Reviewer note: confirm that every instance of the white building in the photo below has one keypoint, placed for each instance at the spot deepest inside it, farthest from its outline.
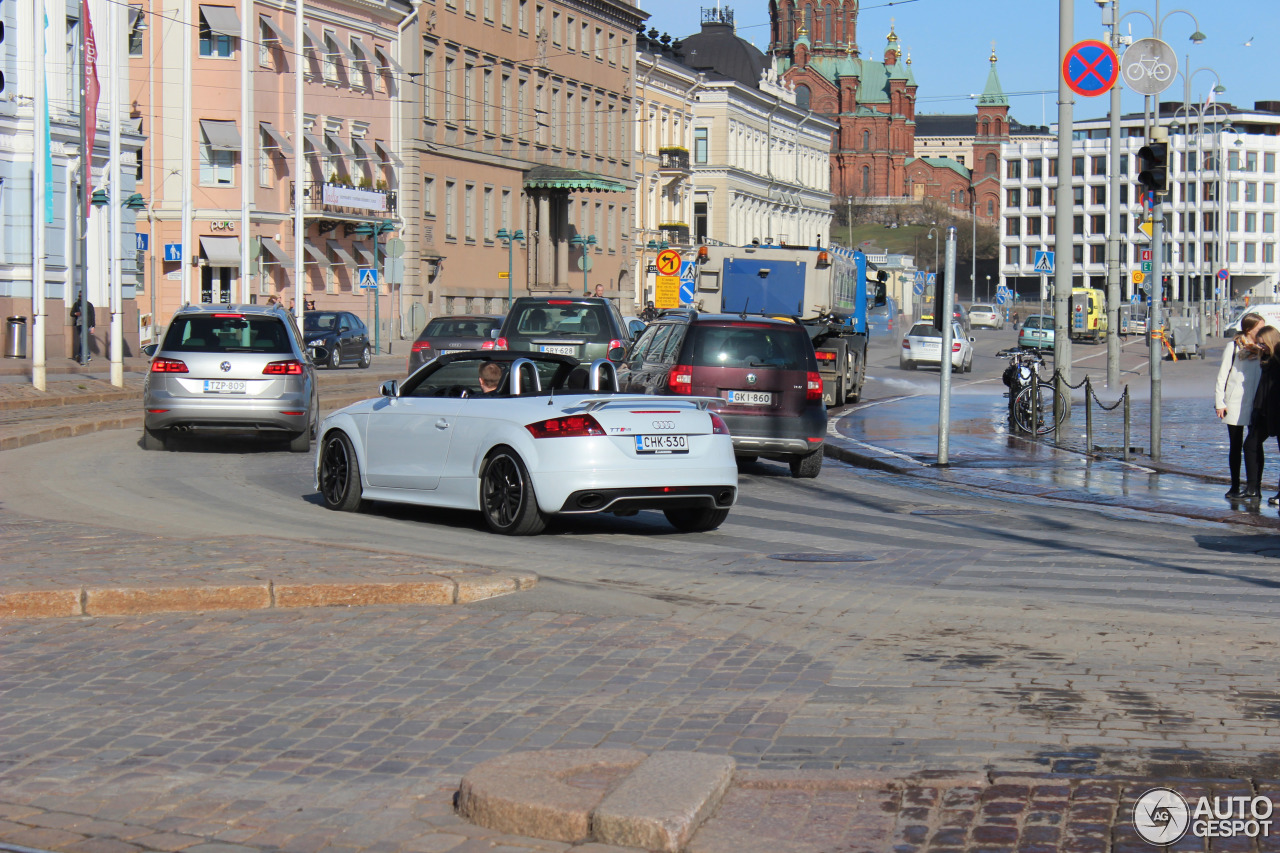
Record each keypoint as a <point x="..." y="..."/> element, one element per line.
<point x="1219" y="215"/>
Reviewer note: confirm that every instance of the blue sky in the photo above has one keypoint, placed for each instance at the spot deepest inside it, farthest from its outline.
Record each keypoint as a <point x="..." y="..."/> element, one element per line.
<point x="950" y="43"/>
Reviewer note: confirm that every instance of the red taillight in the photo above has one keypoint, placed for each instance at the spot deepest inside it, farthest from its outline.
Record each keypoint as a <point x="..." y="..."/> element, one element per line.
<point x="813" y="387"/>
<point x="238" y="316"/>
<point x="718" y="426"/>
<point x="906" y="344"/>
<point x="615" y="344"/>
<point x="955" y="347"/>
<point x="487" y="345"/>
<point x="168" y="365"/>
<point x="500" y="343"/>
<point x="292" y="367"/>
<point x="570" y="426"/>
<point x="680" y="380"/>
<point x="825" y="355"/>
<point x="419" y="346"/>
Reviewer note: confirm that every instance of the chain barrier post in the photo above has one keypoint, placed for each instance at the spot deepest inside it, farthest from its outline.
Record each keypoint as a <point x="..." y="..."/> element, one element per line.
<point x="1126" y="423"/>
<point x="1088" y="416"/>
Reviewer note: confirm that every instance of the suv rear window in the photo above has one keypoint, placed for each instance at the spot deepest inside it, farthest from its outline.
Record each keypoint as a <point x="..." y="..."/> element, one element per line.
<point x="227" y="333"/>
<point x="787" y="347"/>
<point x="588" y="320"/>
<point x="452" y="327"/>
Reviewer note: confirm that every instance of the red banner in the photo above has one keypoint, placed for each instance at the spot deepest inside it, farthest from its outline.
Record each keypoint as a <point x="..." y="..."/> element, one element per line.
<point x="91" y="91"/>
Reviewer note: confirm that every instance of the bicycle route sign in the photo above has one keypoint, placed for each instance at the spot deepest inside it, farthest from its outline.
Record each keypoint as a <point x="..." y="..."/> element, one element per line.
<point x="1090" y="68"/>
<point x="1149" y="66"/>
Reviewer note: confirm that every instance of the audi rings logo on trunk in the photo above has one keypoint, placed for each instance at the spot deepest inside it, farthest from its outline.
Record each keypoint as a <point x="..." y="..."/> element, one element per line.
<point x="225" y="367"/>
<point x="664" y="424"/>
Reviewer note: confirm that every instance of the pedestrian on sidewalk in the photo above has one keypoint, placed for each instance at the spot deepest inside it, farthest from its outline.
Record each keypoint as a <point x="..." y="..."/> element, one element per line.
<point x="1234" y="391"/>
<point x="1265" y="421"/>
<point x="77" y="323"/>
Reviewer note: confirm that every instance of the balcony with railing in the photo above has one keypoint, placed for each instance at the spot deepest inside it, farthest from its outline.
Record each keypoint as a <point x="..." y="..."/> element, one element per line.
<point x="674" y="160"/>
<point x="328" y="200"/>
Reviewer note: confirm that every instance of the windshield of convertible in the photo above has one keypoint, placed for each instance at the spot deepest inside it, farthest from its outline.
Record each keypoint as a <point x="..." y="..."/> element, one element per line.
<point x="543" y="375"/>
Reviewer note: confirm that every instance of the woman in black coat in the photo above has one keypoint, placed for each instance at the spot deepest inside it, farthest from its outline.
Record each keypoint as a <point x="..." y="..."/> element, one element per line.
<point x="1266" y="415"/>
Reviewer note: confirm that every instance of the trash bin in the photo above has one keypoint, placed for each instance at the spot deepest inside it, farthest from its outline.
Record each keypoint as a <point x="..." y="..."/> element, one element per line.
<point x="15" y="337"/>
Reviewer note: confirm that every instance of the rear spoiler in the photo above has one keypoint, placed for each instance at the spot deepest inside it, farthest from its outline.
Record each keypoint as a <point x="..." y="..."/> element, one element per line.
<point x="703" y="403"/>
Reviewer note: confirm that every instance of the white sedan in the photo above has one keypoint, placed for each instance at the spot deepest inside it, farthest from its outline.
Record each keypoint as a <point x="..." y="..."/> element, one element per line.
<point x="985" y="315"/>
<point x="923" y="345"/>
<point x="555" y="438"/>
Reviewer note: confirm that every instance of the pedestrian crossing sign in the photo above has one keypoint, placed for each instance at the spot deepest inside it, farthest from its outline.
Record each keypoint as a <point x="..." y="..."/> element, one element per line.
<point x="368" y="278"/>
<point x="1044" y="262"/>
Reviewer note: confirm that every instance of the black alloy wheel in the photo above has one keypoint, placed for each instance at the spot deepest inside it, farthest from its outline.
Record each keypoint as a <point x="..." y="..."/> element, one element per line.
<point x="340" y="474"/>
<point x="506" y="496"/>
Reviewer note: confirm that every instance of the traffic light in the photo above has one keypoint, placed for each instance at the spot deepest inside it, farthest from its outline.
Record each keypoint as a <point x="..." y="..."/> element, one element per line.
<point x="1153" y="167"/>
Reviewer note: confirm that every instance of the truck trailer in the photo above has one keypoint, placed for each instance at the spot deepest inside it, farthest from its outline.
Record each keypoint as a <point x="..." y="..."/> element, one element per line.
<point x="824" y="289"/>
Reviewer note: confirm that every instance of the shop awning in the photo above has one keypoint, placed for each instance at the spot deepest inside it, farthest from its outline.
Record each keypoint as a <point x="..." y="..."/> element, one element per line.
<point x="387" y="153"/>
<point x="221" y="251"/>
<point x="384" y="56"/>
<point x="272" y="252"/>
<point x="222" y="135"/>
<point x="317" y="255"/>
<point x="343" y="50"/>
<point x="315" y="142"/>
<point x="338" y="143"/>
<point x="221" y="20"/>
<point x="135" y="15"/>
<point x="277" y="32"/>
<point x="309" y="34"/>
<point x="365" y="256"/>
<point x="277" y="138"/>
<point x="343" y="254"/>
<point x="366" y="150"/>
<point x="358" y="48"/>
<point x="558" y="178"/>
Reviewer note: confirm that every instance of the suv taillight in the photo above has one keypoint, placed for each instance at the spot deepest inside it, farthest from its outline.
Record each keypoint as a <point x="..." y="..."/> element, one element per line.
<point x="680" y="380"/>
<point x="168" y="365"/>
<point x="955" y="347"/>
<point x="906" y="344"/>
<point x="292" y="367"/>
<point x="419" y="346"/>
<point x="570" y="426"/>
<point x="487" y="345"/>
<point x="500" y="343"/>
<point x="718" y="426"/>
<point x="813" y="387"/>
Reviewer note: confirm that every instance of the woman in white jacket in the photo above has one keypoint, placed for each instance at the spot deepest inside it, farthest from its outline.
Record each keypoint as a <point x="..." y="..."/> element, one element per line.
<point x="1233" y="392"/>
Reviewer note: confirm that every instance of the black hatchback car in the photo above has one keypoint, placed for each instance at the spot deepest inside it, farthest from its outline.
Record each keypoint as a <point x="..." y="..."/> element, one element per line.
<point x="336" y="338"/>
<point x="764" y="369"/>
<point x="585" y="327"/>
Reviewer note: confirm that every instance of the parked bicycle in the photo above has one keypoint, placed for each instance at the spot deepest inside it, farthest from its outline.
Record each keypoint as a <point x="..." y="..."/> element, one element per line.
<point x="1033" y="401"/>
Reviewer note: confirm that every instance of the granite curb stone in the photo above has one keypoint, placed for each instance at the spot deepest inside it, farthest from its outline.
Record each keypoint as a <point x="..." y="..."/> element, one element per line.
<point x="663" y="801"/>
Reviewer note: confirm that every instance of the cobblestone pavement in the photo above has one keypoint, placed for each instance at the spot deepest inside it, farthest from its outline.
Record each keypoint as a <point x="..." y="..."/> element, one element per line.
<point x="986" y="636"/>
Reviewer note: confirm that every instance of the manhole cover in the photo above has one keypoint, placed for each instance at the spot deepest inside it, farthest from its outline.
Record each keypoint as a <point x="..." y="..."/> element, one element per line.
<point x="950" y="512"/>
<point x="822" y="557"/>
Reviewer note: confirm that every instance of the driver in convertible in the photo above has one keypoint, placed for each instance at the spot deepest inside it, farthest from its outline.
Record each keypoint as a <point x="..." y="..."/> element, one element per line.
<point x="490" y="378"/>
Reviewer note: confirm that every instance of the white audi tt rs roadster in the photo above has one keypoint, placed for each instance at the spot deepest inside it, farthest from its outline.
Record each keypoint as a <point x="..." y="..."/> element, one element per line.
<point x="554" y="437"/>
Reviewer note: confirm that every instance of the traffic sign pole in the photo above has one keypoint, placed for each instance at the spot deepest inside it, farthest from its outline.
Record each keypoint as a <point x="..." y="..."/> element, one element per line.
<point x="1156" y="289"/>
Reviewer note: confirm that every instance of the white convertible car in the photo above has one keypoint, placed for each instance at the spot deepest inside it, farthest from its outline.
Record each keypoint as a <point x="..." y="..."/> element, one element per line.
<point x="555" y="438"/>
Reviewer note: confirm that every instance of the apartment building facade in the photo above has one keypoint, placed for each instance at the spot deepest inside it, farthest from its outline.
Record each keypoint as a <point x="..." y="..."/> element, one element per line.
<point x="1220" y="215"/>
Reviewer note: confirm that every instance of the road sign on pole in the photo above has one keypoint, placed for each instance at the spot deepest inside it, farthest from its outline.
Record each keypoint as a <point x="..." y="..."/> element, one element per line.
<point x="1044" y="262"/>
<point x="367" y="278"/>
<point x="1090" y="68"/>
<point x="173" y="251"/>
<point x="668" y="263"/>
<point x="1149" y="66"/>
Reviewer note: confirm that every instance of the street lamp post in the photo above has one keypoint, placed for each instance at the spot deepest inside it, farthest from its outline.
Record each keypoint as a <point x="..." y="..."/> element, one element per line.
<point x="933" y="235"/>
<point x="509" y="239"/>
<point x="586" y="243"/>
<point x="374" y="230"/>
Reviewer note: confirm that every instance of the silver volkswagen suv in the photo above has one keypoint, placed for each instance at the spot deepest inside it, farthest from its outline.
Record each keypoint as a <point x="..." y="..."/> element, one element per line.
<point x="233" y="369"/>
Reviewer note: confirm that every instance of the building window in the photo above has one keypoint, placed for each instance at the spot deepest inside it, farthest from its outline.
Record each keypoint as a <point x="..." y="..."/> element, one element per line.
<point x="1033" y="226"/>
<point x="214" y="43"/>
<point x="1077" y="225"/>
<point x="1011" y="255"/>
<point x="1012" y="226"/>
<point x="1250" y="253"/>
<point x="1034" y="194"/>
<point x="992" y="164"/>
<point x="1250" y="192"/>
<point x="1097" y="165"/>
<point x="469" y="213"/>
<point x="1035" y="167"/>
<point x="1097" y="223"/>
<point x="1098" y="195"/>
<point x="1268" y="253"/>
<point x="1269" y="223"/>
<point x="866" y="140"/>
<point x="700" y="146"/>
<point x="1268" y="193"/>
<point x="866" y="180"/>
<point x="991" y="208"/>
<point x="1077" y="167"/>
<point x="1251" y="223"/>
<point x="429" y="196"/>
<point x="1015" y="197"/>
<point x="1014" y="169"/>
<point x="450" y="214"/>
<point x="136" y="23"/>
<point x="1077" y="196"/>
<point x="1098" y="254"/>
<point x="1077" y="254"/>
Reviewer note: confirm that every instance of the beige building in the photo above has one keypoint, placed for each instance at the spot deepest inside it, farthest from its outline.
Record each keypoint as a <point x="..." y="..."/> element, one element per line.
<point x="215" y="91"/>
<point x="517" y="118"/>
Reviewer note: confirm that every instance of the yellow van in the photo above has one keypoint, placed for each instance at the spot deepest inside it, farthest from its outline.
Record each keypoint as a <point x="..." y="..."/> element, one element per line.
<point x="1088" y="315"/>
